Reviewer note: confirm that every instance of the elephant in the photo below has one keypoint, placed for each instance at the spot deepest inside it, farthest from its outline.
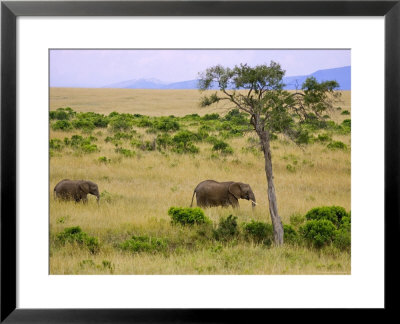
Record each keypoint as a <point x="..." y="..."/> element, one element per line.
<point x="76" y="190"/>
<point x="210" y="193"/>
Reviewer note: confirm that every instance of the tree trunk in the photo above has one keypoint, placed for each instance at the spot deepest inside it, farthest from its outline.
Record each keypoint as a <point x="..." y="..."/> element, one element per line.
<point x="273" y="206"/>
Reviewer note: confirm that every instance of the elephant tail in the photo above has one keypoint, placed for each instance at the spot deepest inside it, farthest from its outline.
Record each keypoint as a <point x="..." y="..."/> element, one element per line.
<point x="191" y="204"/>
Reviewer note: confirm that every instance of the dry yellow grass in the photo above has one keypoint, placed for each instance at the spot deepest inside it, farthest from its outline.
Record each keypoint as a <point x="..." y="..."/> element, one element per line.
<point x="138" y="101"/>
<point x="143" y="187"/>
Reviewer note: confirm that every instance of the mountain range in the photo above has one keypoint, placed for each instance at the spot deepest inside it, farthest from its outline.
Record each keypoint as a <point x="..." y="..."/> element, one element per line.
<point x="342" y="75"/>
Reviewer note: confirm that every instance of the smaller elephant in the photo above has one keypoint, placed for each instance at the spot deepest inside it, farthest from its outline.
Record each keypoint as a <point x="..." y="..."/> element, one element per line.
<point x="76" y="190"/>
<point x="211" y="193"/>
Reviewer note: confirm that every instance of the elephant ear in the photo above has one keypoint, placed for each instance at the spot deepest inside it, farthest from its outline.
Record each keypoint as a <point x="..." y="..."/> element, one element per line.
<point x="84" y="186"/>
<point x="235" y="189"/>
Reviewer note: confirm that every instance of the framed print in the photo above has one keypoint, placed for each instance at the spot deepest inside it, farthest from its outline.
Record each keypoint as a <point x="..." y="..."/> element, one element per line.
<point x="121" y="181"/>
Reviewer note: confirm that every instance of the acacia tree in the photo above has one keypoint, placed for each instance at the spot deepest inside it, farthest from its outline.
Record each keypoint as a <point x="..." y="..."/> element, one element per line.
<point x="258" y="91"/>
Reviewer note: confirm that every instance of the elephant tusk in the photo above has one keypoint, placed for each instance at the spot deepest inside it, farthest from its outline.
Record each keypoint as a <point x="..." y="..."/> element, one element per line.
<point x="253" y="202"/>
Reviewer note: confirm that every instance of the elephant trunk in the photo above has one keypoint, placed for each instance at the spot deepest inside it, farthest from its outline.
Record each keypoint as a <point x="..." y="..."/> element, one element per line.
<point x="253" y="200"/>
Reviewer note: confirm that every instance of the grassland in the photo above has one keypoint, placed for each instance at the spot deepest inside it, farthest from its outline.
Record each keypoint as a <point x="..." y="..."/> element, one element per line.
<point x="137" y="192"/>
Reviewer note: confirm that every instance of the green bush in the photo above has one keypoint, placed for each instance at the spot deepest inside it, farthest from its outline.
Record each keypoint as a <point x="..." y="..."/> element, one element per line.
<point x="185" y="148"/>
<point x="290" y="235"/>
<point x="214" y="116"/>
<point x="227" y="229"/>
<point x="236" y="117"/>
<point x="163" y="141"/>
<point x="259" y="232"/>
<point x="89" y="148"/>
<point x="191" y="117"/>
<point x="324" y="138"/>
<point x="82" y="144"/>
<point x="222" y="147"/>
<point x="331" y="213"/>
<point x="125" y="152"/>
<point x="342" y="239"/>
<point x="144" y="244"/>
<point x="56" y="144"/>
<point x="120" y="122"/>
<point x="184" y="136"/>
<point x="76" y="235"/>
<point x="318" y="232"/>
<point x="64" y="125"/>
<point x="166" y="124"/>
<point x="337" y="145"/>
<point x="345" y="112"/>
<point x="85" y="124"/>
<point x="104" y="159"/>
<point x="188" y="216"/>
<point x="62" y="114"/>
<point x="97" y="120"/>
<point x="346" y="123"/>
<point x="343" y="235"/>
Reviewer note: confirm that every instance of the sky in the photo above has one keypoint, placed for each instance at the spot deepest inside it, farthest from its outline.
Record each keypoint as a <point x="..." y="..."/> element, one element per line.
<point x="98" y="68"/>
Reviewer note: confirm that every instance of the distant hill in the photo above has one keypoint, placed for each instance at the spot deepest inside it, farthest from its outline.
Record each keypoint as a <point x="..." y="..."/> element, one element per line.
<point x="342" y="75"/>
<point x="138" y="84"/>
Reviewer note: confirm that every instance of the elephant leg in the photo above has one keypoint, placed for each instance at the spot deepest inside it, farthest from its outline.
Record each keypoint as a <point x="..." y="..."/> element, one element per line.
<point x="233" y="201"/>
<point x="84" y="199"/>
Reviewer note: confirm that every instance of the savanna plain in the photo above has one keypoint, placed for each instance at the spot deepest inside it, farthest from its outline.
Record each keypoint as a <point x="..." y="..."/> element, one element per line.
<point x="147" y="162"/>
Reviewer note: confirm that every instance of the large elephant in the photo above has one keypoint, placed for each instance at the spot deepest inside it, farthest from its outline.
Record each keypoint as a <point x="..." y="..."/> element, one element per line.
<point x="211" y="193"/>
<point x="76" y="190"/>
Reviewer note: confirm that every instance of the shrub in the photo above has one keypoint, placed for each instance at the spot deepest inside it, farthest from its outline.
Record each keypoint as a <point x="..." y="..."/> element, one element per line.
<point x="290" y="235"/>
<point x="56" y="144"/>
<point x="104" y="159"/>
<point x="105" y="196"/>
<point x="337" y="145"/>
<point x="125" y="152"/>
<point x="345" y="112"/>
<point x="144" y="244"/>
<point x="98" y="120"/>
<point x="222" y="147"/>
<point x="76" y="235"/>
<point x="62" y="114"/>
<point x="324" y="138"/>
<point x="331" y="213"/>
<point x="236" y="117"/>
<point x="319" y="232"/>
<point x="166" y="124"/>
<point x="187" y="216"/>
<point x="64" y="125"/>
<point x="84" y="123"/>
<point x="120" y="122"/>
<point x="227" y="229"/>
<point x="342" y="239"/>
<point x="343" y="235"/>
<point x="184" y="137"/>
<point x="346" y="123"/>
<point x="163" y="140"/>
<point x="191" y="117"/>
<point x="185" y="148"/>
<point x="214" y="116"/>
<point x="259" y="232"/>
<point x="89" y="148"/>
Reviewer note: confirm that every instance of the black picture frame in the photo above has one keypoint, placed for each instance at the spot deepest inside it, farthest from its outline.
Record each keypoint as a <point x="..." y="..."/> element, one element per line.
<point x="10" y="10"/>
